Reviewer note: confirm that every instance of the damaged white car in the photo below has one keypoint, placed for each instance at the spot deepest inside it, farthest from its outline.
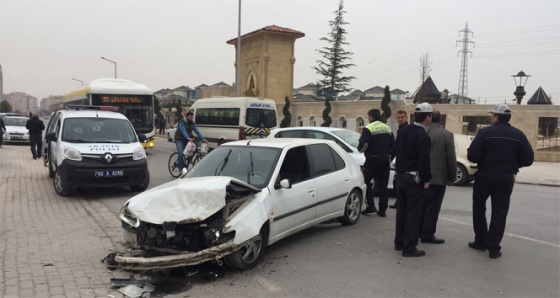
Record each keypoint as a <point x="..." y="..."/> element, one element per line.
<point x="242" y="197"/>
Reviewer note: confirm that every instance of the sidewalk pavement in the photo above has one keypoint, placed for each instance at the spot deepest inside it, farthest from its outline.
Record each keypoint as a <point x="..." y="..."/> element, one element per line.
<point x="52" y="246"/>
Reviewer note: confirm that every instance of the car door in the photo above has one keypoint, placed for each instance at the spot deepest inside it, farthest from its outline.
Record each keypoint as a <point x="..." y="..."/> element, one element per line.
<point x="332" y="180"/>
<point x="293" y="207"/>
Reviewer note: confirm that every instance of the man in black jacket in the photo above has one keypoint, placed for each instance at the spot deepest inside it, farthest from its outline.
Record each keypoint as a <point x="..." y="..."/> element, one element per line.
<point x="35" y="127"/>
<point x="499" y="150"/>
<point x="402" y="121"/>
<point x="413" y="180"/>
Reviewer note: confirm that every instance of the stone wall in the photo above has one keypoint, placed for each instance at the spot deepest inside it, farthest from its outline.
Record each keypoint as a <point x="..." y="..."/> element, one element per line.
<point x="524" y="117"/>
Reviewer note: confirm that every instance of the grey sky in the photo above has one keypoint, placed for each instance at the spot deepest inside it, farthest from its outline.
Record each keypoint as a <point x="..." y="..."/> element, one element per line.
<point x="169" y="43"/>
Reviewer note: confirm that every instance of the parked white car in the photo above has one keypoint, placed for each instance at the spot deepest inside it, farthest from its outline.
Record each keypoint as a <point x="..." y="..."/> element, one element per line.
<point x="171" y="132"/>
<point x="465" y="168"/>
<point x="244" y="196"/>
<point x="347" y="139"/>
<point x="15" y="129"/>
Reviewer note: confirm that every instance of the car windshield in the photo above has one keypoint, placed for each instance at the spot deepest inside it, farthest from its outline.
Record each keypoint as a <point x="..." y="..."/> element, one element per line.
<point x="15" y="121"/>
<point x="250" y="164"/>
<point x="98" y="130"/>
<point x="349" y="136"/>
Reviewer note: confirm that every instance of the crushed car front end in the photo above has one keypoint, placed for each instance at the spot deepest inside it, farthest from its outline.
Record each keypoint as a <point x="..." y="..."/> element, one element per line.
<point x="186" y="222"/>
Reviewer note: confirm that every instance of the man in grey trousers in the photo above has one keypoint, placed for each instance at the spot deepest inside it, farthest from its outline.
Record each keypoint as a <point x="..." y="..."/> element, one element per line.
<point x="443" y="164"/>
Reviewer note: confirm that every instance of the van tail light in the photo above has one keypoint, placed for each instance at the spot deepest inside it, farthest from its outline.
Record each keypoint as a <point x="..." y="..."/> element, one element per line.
<point x="241" y="133"/>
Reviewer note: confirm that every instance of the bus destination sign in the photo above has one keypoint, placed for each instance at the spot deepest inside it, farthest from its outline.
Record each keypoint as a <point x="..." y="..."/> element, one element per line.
<point x="120" y="99"/>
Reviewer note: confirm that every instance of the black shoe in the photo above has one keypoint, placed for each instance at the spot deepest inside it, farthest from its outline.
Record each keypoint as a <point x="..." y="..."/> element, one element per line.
<point x="413" y="253"/>
<point x="381" y="213"/>
<point x="369" y="210"/>
<point x="399" y="247"/>
<point x="432" y="240"/>
<point x="477" y="246"/>
<point x="39" y="156"/>
<point x="34" y="157"/>
<point x="394" y="206"/>
<point x="494" y="254"/>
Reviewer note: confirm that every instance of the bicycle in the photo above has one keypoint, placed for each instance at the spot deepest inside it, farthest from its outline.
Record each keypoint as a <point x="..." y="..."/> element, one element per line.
<point x="189" y="161"/>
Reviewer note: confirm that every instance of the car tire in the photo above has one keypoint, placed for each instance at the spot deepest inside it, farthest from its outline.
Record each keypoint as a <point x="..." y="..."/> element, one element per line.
<point x="46" y="157"/>
<point x="59" y="186"/>
<point x="352" y="209"/>
<point x="51" y="169"/>
<point x="169" y="139"/>
<point x="462" y="175"/>
<point x="250" y="253"/>
<point x="143" y="186"/>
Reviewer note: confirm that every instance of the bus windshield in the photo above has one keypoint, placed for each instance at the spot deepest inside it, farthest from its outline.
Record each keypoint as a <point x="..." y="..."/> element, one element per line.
<point x="137" y="108"/>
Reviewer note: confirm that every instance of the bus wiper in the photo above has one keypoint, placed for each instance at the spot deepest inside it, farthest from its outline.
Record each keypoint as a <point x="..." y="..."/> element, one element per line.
<point x="250" y="170"/>
<point x="223" y="163"/>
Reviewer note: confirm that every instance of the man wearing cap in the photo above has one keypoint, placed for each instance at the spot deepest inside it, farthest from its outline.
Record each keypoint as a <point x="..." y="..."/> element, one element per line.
<point x="499" y="150"/>
<point x="413" y="180"/>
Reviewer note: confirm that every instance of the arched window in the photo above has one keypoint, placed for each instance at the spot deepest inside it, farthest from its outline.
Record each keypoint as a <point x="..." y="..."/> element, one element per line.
<point x="359" y="124"/>
<point x="342" y="121"/>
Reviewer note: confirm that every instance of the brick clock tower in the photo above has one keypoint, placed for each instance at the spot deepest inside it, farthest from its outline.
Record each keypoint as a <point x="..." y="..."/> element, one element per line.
<point x="267" y="62"/>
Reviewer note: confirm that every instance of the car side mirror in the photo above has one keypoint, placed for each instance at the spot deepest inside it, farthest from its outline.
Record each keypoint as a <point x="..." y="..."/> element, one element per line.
<point x="51" y="137"/>
<point x="141" y="137"/>
<point x="285" y="183"/>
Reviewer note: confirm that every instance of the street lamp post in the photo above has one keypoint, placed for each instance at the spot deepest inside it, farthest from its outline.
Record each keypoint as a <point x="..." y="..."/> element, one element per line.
<point x="238" y="56"/>
<point x="113" y="63"/>
<point x="520" y="79"/>
<point x="78" y="81"/>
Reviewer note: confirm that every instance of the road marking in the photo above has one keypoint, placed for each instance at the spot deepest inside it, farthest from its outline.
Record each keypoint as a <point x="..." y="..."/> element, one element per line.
<point x="506" y="233"/>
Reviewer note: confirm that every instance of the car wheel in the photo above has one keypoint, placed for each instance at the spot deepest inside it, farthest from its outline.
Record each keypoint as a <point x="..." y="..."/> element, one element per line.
<point x="169" y="139"/>
<point x="221" y="142"/>
<point x="250" y="253"/>
<point x="51" y="169"/>
<point x="462" y="175"/>
<point x="59" y="186"/>
<point x="46" y="157"/>
<point x="352" y="209"/>
<point x="143" y="186"/>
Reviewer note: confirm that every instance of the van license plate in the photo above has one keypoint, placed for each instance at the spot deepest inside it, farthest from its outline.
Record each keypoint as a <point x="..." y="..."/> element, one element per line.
<point x="109" y="173"/>
<point x="16" y="138"/>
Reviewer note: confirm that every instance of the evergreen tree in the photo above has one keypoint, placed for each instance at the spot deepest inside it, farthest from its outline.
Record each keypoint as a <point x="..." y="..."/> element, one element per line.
<point x="287" y="115"/>
<point x="335" y="61"/>
<point x="5" y="107"/>
<point x="385" y="104"/>
<point x="179" y="111"/>
<point x="326" y="118"/>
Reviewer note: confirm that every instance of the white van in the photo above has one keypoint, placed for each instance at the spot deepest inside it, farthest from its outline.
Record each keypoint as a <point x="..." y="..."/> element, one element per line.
<point x="90" y="147"/>
<point x="226" y="119"/>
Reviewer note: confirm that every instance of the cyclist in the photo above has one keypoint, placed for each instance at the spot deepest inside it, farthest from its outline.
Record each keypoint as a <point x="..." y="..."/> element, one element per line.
<point x="183" y="135"/>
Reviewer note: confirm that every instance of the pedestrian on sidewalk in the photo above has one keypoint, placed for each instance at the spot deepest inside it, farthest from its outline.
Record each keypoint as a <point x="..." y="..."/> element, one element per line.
<point x="443" y="164"/>
<point x="2" y="130"/>
<point x="35" y="127"/>
<point x="499" y="151"/>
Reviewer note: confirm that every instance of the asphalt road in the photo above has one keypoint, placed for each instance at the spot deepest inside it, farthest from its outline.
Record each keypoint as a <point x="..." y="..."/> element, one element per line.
<point x="358" y="261"/>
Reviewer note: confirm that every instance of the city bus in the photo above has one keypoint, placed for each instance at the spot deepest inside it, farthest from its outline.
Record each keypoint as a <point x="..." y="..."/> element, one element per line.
<point x="135" y="101"/>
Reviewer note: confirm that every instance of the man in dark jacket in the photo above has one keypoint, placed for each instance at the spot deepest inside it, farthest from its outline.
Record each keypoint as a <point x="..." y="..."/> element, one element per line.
<point x="35" y="127"/>
<point x="499" y="150"/>
<point x="2" y="130"/>
<point x="444" y="169"/>
<point x="402" y="121"/>
<point x="413" y="180"/>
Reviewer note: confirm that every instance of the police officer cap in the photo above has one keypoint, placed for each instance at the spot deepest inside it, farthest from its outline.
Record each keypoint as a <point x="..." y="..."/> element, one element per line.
<point x="424" y="108"/>
<point x="501" y="109"/>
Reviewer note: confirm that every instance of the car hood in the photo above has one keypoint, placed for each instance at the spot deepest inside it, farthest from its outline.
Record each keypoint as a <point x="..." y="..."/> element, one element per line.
<point x="20" y="129"/>
<point x="184" y="200"/>
<point x="100" y="148"/>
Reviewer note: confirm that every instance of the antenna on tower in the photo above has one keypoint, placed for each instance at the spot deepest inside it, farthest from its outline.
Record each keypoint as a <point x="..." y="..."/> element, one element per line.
<point x="463" y="79"/>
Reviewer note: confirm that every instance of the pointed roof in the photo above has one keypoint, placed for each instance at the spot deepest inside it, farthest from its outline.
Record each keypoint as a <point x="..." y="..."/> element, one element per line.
<point x="310" y="86"/>
<point x="397" y="91"/>
<point x="539" y="98"/>
<point x="375" y="89"/>
<point x="428" y="92"/>
<point x="271" y="29"/>
<point x="221" y="84"/>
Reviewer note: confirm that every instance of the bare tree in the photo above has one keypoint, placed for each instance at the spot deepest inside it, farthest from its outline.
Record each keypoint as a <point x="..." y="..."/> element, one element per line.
<point x="425" y="67"/>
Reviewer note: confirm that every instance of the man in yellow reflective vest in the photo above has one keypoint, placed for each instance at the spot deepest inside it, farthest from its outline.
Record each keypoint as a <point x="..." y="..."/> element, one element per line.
<point x="377" y="143"/>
